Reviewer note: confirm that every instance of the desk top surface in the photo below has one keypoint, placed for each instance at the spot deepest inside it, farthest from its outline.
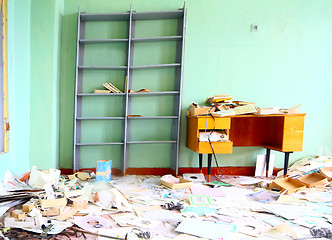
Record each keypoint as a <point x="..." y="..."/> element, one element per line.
<point x="252" y="115"/>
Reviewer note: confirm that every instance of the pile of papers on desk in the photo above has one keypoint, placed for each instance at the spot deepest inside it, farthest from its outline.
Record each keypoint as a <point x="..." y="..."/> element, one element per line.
<point x="223" y="105"/>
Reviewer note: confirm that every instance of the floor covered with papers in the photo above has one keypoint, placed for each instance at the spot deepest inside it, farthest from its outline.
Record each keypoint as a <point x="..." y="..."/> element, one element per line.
<point x="53" y="206"/>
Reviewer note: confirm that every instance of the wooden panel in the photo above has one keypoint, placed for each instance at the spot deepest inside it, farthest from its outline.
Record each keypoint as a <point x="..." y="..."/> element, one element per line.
<point x="246" y="131"/>
<point x="272" y="132"/>
<point x="219" y="147"/>
<point x="192" y="133"/>
<point x="214" y="123"/>
<point x="293" y="133"/>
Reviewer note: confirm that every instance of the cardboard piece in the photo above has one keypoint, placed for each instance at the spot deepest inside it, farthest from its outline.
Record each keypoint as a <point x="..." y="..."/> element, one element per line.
<point x="103" y="172"/>
<point x="67" y="213"/>
<point x="48" y="203"/>
<point x="53" y="211"/>
<point x="18" y="214"/>
<point x="80" y="203"/>
<point x="182" y="184"/>
<point x="196" y="111"/>
<point x="313" y="179"/>
<point x="327" y="172"/>
<point x="83" y="176"/>
<point x="28" y="206"/>
<point x="288" y="184"/>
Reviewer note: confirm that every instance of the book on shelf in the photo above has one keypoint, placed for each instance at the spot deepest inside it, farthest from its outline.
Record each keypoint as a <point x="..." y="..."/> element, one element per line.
<point x="111" y="87"/>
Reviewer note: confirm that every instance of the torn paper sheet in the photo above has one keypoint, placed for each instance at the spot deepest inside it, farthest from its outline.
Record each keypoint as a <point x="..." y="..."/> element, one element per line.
<point x="92" y="223"/>
<point x="206" y="229"/>
<point x="39" y="178"/>
<point x="13" y="184"/>
<point x="162" y="215"/>
<point x="194" y="177"/>
<point x="30" y="225"/>
<point x="203" y="190"/>
<point x="119" y="232"/>
<point x="107" y="199"/>
<point x="170" y="179"/>
<point x="5" y="206"/>
<point x="188" y="237"/>
<point x="260" y="170"/>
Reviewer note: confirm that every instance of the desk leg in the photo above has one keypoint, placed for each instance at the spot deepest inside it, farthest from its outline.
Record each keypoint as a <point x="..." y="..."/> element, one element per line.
<point x="209" y="166"/>
<point x="286" y="163"/>
<point x="267" y="161"/>
<point x="200" y="158"/>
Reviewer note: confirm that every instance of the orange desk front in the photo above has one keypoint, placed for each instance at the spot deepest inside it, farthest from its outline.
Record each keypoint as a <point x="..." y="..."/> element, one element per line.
<point x="280" y="132"/>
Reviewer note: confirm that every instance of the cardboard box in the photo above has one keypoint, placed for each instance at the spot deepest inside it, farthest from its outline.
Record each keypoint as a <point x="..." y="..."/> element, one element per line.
<point x="196" y="111"/>
<point x="326" y="172"/>
<point x="288" y="184"/>
<point x="104" y="170"/>
<point x="182" y="184"/>
<point x="313" y="179"/>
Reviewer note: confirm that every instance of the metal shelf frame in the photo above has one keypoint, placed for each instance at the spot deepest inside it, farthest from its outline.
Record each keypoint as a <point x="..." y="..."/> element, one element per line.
<point x="130" y="17"/>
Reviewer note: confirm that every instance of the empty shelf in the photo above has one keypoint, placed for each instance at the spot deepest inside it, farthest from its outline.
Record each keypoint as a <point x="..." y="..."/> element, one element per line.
<point x="104" y="16"/>
<point x="157" y="39"/>
<point x="102" y="40"/>
<point x="153" y="117"/>
<point x="158" y="15"/>
<point x="156" y="66"/>
<point x="153" y="93"/>
<point x="102" y="67"/>
<point x="96" y="144"/>
<point x="100" y="118"/>
<point x="148" y="142"/>
<point x="100" y="94"/>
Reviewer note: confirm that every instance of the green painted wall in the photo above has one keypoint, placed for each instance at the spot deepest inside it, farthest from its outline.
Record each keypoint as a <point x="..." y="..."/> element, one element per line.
<point x="285" y="63"/>
<point x="46" y="18"/>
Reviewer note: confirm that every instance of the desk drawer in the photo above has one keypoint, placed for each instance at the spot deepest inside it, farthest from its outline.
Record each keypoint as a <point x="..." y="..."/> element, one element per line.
<point x="214" y="123"/>
<point x="219" y="147"/>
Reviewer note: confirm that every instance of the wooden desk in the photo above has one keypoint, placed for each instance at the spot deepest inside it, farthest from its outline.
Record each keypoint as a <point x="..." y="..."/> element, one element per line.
<point x="281" y="132"/>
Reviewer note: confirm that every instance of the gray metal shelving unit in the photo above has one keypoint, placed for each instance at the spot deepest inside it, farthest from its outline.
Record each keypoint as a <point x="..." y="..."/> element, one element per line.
<point x="131" y="18"/>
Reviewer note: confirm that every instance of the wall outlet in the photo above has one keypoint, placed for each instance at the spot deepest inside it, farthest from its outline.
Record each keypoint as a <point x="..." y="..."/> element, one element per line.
<point x="254" y="27"/>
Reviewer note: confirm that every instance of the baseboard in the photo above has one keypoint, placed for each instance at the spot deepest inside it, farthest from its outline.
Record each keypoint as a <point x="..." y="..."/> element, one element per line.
<point x="241" y="171"/>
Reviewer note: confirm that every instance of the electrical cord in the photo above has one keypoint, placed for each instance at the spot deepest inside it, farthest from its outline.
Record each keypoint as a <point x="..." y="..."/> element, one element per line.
<point x="208" y="137"/>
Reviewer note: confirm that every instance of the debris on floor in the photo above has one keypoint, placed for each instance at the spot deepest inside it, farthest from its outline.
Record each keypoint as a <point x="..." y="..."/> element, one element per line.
<point x="54" y="206"/>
